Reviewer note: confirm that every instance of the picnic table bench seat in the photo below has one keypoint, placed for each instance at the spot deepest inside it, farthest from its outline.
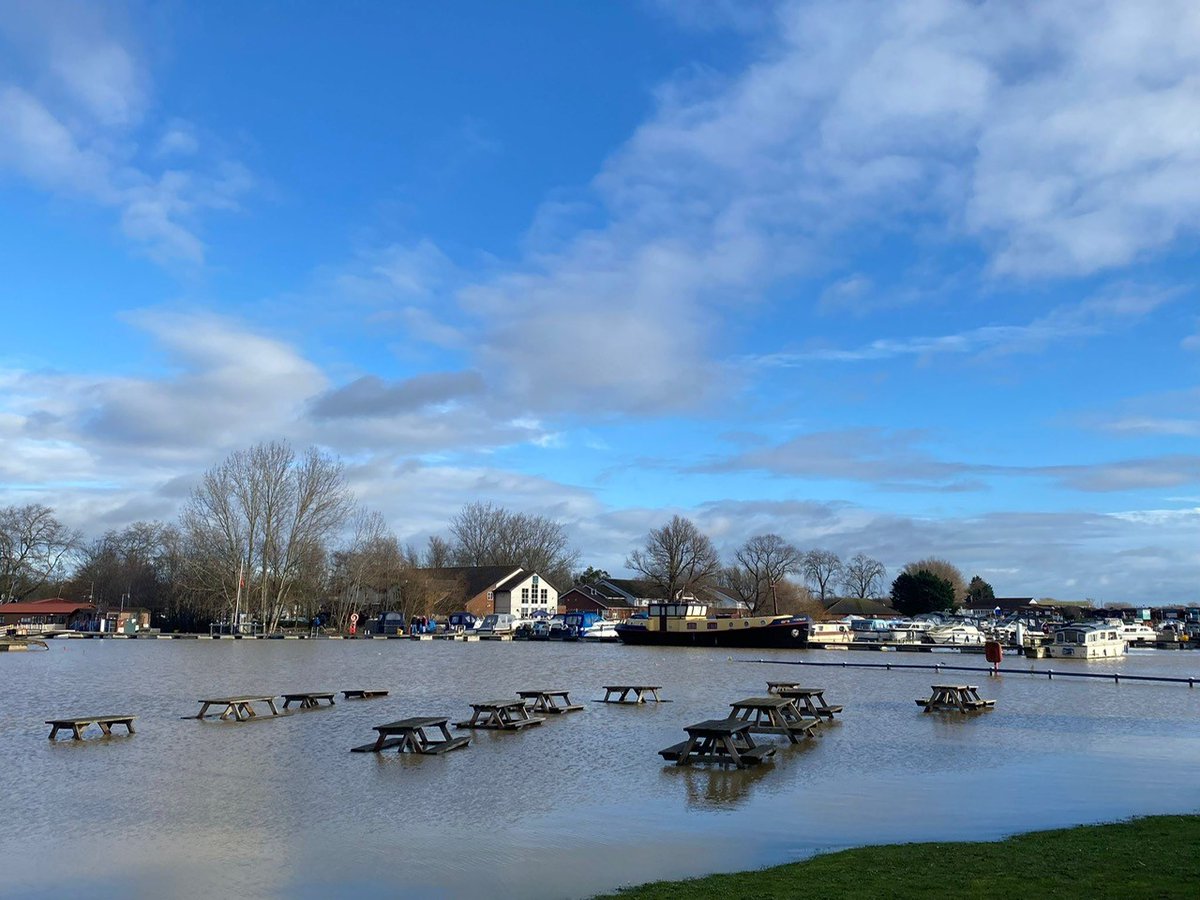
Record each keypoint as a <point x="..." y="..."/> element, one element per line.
<point x="77" y="724"/>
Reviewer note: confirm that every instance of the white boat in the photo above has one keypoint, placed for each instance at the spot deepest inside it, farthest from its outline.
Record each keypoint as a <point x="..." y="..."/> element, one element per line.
<point x="601" y="632"/>
<point x="830" y="633"/>
<point x="498" y="623"/>
<point x="910" y="632"/>
<point x="1135" y="632"/>
<point x="1087" y="641"/>
<point x="954" y="634"/>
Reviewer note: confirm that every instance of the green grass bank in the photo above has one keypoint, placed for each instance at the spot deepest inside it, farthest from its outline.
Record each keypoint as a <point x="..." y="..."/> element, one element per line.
<point x="1157" y="856"/>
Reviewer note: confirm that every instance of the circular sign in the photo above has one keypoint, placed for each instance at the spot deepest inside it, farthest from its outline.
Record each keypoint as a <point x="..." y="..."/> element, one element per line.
<point x="353" y="618"/>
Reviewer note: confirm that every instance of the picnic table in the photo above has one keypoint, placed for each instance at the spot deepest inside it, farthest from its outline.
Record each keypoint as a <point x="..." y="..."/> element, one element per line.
<point x="505" y="715"/>
<point x="960" y="697"/>
<point x="241" y="708"/>
<point x="723" y="741"/>
<point x="409" y="735"/>
<point x="77" y="724"/>
<point x="363" y="694"/>
<point x="550" y="702"/>
<point x="639" y="691"/>
<point x="773" y="715"/>
<point x="307" y="699"/>
<point x="774" y="687"/>
<point x="810" y="701"/>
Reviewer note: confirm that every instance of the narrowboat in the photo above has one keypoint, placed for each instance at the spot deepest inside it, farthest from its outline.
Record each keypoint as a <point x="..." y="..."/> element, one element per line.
<point x="689" y="624"/>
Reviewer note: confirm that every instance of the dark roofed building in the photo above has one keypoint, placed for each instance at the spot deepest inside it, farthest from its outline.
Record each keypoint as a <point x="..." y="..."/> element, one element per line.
<point x="55" y="614"/>
<point x="596" y="598"/>
<point x="854" y="606"/>
<point x="469" y="588"/>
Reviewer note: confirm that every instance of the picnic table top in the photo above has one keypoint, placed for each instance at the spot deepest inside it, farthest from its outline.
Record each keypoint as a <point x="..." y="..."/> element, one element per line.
<point x="413" y="723"/>
<point x="955" y="687"/>
<point x="762" y="703"/>
<point x="554" y="693"/>
<point x="798" y="691"/>
<point x="245" y="699"/>
<point x="633" y="687"/>
<point x="293" y="694"/>
<point x="718" y="727"/>
<point x="498" y="704"/>
<point x="78" y="720"/>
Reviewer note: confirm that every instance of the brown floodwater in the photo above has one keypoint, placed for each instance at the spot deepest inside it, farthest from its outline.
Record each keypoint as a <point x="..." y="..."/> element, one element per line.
<point x="581" y="804"/>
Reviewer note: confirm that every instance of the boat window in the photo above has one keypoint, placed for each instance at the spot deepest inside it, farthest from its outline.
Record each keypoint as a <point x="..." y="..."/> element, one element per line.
<point x="712" y="625"/>
<point x="691" y="626"/>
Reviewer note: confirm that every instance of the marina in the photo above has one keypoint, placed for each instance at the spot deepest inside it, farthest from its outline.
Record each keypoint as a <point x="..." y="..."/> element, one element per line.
<point x="295" y="789"/>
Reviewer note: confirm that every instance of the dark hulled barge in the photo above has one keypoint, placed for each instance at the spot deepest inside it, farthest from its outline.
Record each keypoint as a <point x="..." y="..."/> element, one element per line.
<point x="689" y="624"/>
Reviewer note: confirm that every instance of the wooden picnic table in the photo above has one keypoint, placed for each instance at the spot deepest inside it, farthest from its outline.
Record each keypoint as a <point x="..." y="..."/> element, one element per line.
<point x="363" y="694"/>
<point x="409" y="735"/>
<point x="773" y="687"/>
<point x="773" y="715"/>
<point x="550" y="702"/>
<point x="505" y="715"/>
<point x="639" y="691"/>
<point x="723" y="741"/>
<point x="810" y="701"/>
<point x="961" y="697"/>
<point x="240" y="708"/>
<point x="307" y="699"/>
<point x="77" y="724"/>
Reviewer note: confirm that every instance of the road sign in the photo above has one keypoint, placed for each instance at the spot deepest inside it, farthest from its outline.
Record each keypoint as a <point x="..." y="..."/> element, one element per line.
<point x="353" y="618"/>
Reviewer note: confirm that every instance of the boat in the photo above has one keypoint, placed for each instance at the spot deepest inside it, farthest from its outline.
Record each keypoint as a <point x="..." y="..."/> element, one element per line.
<point x="498" y="623"/>
<point x="604" y="632"/>
<point x="954" y="634"/>
<point x="577" y="622"/>
<point x="830" y="633"/>
<point x="1136" y="632"/>
<point x="904" y="632"/>
<point x="689" y="624"/>
<point x="1089" y="640"/>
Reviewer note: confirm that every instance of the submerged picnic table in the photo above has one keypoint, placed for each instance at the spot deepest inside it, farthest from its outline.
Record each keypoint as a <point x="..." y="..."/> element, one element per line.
<point x="639" y="692"/>
<point x="773" y="687"/>
<point x="549" y="702"/>
<point x="810" y="701"/>
<point x="506" y="715"/>
<point x="240" y="708"/>
<point x="363" y="694"/>
<point x="78" y="723"/>
<point x="409" y="735"/>
<point x="773" y="715"/>
<point x="307" y="699"/>
<point x="723" y="741"/>
<point x="960" y="697"/>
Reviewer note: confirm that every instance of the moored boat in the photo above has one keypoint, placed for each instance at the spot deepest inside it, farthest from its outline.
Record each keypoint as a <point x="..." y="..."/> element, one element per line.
<point x="830" y="633"/>
<point x="954" y="634"/>
<point x="1088" y="640"/>
<point x="689" y="624"/>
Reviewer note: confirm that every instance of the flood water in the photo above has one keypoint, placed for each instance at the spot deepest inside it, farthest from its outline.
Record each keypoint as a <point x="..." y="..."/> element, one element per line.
<point x="581" y="804"/>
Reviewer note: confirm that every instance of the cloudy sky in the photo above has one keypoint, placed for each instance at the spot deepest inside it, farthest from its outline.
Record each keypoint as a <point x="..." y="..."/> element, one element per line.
<point x="904" y="279"/>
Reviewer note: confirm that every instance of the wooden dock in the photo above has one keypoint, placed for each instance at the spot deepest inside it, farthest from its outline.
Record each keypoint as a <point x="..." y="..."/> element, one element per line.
<point x="77" y="724"/>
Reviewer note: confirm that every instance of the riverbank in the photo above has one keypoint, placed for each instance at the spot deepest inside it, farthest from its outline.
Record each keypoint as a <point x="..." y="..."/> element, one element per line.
<point x="1150" y="857"/>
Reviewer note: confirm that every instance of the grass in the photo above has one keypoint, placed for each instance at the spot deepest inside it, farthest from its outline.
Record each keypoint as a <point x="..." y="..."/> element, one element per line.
<point x="1157" y="856"/>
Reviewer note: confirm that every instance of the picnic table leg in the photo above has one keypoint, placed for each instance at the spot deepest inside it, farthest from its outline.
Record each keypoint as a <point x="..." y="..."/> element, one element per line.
<point x="106" y="727"/>
<point x="271" y="703"/>
<point x="379" y="742"/>
<point x="445" y="732"/>
<point x="53" y="731"/>
<point x="77" y="730"/>
<point x="129" y="726"/>
<point x="230" y="710"/>
<point x="731" y="749"/>
<point x="203" y="710"/>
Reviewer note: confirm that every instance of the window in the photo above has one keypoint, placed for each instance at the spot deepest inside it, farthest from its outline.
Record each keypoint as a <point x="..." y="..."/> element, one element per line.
<point x="691" y="626"/>
<point x="524" y="595"/>
<point x="545" y="595"/>
<point x="491" y="596"/>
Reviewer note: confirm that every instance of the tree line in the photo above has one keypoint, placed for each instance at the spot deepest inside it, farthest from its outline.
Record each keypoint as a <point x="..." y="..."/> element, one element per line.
<point x="277" y="535"/>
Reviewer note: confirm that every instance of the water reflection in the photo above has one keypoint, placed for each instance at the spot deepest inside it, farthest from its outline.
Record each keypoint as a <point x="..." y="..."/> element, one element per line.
<point x="716" y="787"/>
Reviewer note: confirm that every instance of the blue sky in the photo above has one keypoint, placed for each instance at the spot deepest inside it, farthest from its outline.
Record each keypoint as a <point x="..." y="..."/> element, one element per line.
<point x="907" y="280"/>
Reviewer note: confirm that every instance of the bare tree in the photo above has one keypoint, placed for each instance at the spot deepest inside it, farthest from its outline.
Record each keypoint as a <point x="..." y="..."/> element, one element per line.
<point x="943" y="569"/>
<point x="265" y="516"/>
<point x="438" y="553"/>
<point x="821" y="569"/>
<point x="766" y="559"/>
<point x="863" y="578"/>
<point x="797" y="600"/>
<point x="34" y="548"/>
<point x="489" y="535"/>
<point x="677" y="557"/>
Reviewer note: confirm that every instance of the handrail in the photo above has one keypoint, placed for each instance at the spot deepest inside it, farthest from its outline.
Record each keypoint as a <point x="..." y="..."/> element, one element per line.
<point x="1115" y="677"/>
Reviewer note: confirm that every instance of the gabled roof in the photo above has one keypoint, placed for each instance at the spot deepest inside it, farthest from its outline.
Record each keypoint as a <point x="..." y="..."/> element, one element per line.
<point x="609" y="600"/>
<point x="476" y="579"/>
<point x="632" y="588"/>
<point x="55" y="606"/>
<point x="853" y="606"/>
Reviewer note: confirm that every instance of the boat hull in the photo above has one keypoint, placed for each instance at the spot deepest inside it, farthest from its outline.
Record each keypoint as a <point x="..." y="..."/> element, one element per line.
<point x="784" y="635"/>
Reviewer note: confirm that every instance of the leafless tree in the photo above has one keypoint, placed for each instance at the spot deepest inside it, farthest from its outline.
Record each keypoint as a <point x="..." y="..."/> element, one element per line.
<point x="821" y="569"/>
<point x="797" y="600"/>
<point x="944" y="570"/>
<point x="863" y="578"/>
<point x="34" y="549"/>
<point x="489" y="535"/>
<point x="766" y="559"/>
<point x="676" y="557"/>
<point x="266" y="516"/>
<point x="438" y="553"/>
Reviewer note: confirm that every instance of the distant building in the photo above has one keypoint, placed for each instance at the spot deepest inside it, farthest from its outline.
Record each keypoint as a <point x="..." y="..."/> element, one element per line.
<point x="855" y="606"/>
<point x="483" y="590"/>
<point x="596" y="598"/>
<point x="526" y="594"/>
<point x="36" y="616"/>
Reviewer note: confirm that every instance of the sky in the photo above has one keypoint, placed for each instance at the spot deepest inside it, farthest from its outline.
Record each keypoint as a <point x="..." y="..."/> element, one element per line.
<point x="906" y="280"/>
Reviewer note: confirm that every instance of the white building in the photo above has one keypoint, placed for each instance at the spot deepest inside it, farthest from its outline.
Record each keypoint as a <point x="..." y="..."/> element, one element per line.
<point x="526" y="594"/>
